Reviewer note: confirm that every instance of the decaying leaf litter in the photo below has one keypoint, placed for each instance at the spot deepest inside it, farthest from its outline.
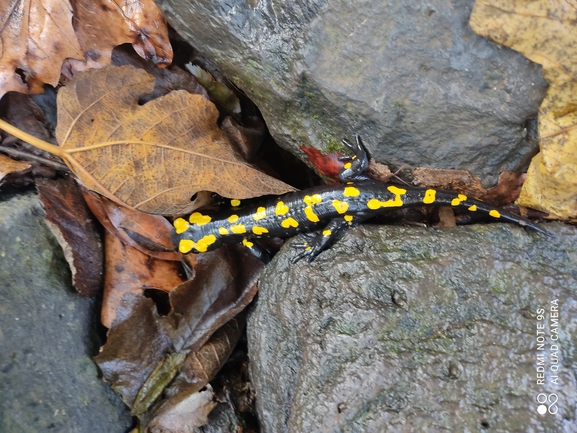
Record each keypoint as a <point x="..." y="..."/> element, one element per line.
<point x="140" y="258"/>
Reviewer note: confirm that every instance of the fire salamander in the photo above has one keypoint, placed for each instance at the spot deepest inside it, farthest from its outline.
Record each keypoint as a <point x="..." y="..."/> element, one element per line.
<point x="327" y="210"/>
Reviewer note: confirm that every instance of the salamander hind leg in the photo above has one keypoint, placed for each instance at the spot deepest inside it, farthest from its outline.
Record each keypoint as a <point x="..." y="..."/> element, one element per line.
<point x="316" y="242"/>
<point x="256" y="250"/>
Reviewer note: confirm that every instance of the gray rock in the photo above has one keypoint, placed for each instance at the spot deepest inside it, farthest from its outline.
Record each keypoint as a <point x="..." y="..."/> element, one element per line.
<point x="412" y="78"/>
<point x="412" y="329"/>
<point x="48" y="335"/>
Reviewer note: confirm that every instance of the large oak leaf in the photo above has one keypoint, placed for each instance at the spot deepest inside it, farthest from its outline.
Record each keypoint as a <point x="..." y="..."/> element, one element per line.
<point x="152" y="157"/>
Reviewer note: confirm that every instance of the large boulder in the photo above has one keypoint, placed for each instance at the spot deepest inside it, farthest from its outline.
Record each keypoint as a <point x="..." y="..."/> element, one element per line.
<point x="412" y="78"/>
<point x="412" y="329"/>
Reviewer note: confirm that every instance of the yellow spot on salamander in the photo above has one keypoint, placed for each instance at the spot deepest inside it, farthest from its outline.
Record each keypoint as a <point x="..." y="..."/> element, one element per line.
<point x="235" y="202"/>
<point x="348" y="218"/>
<point x="281" y="208"/>
<point x="238" y="229"/>
<point x="308" y="248"/>
<point x="247" y="243"/>
<point x="257" y="230"/>
<point x="340" y="206"/>
<point x="429" y="196"/>
<point x="199" y="219"/>
<point x="232" y="219"/>
<point x="473" y="208"/>
<point x="203" y="244"/>
<point x="351" y="191"/>
<point x="181" y="225"/>
<point x="495" y="214"/>
<point x="311" y="200"/>
<point x="185" y="245"/>
<point x="260" y="214"/>
<point x="457" y="201"/>
<point x="222" y="231"/>
<point x="289" y="222"/>
<point x="375" y="204"/>
<point x="347" y="165"/>
<point x="311" y="215"/>
<point x="327" y="233"/>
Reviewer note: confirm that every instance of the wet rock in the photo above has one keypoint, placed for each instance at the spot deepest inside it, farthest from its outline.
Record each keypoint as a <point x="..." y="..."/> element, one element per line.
<point x="48" y="334"/>
<point x="419" y="329"/>
<point x="412" y="78"/>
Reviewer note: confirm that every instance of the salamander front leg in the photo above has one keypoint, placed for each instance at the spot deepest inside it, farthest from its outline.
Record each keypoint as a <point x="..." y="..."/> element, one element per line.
<point x="317" y="242"/>
<point x="257" y="251"/>
<point x="355" y="166"/>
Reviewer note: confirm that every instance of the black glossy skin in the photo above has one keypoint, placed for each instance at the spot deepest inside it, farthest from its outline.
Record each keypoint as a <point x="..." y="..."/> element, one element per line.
<point x="328" y="209"/>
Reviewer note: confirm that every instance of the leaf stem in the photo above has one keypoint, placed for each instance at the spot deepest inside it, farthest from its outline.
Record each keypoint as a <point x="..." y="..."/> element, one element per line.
<point x="25" y="156"/>
<point x="30" y="139"/>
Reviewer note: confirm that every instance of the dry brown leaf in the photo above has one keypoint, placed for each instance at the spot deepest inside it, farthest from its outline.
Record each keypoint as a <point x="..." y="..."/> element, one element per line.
<point x="152" y="157"/>
<point x="129" y="271"/>
<point x="76" y="230"/>
<point x="101" y="25"/>
<point x="9" y="166"/>
<point x="545" y="32"/>
<point x="201" y="366"/>
<point x="36" y="36"/>
<point x="139" y="338"/>
<point x="194" y="372"/>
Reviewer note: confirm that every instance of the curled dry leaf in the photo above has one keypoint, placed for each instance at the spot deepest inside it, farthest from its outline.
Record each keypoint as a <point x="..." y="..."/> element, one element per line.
<point x="76" y="231"/>
<point x="187" y="414"/>
<point x="148" y="233"/>
<point x="201" y="366"/>
<point x="38" y="36"/>
<point x="544" y="31"/>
